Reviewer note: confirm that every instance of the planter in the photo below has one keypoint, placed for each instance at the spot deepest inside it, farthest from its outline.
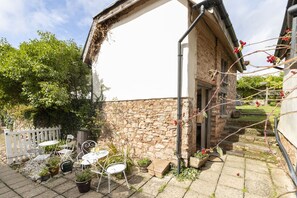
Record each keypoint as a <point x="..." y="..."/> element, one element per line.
<point x="143" y="169"/>
<point x="45" y="177"/>
<point x="54" y="171"/>
<point x="83" y="187"/>
<point x="197" y="162"/>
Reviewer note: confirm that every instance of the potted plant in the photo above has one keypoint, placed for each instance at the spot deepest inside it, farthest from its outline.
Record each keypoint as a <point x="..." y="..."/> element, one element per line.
<point x="143" y="163"/>
<point x="199" y="158"/>
<point x="44" y="174"/>
<point x="53" y="165"/>
<point x="83" y="180"/>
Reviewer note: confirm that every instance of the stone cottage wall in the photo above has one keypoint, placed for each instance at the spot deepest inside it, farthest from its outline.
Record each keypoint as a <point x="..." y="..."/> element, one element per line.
<point x="146" y="126"/>
<point x="210" y="52"/>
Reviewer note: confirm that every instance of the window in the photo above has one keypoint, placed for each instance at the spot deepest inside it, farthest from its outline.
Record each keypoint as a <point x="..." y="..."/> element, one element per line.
<point x="223" y="105"/>
<point x="224" y="87"/>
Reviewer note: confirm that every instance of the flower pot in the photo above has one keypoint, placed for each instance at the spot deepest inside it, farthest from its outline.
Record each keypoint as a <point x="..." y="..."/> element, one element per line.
<point x="66" y="166"/>
<point x="54" y="171"/>
<point x="45" y="177"/>
<point x="83" y="187"/>
<point x="143" y="169"/>
<point x="197" y="162"/>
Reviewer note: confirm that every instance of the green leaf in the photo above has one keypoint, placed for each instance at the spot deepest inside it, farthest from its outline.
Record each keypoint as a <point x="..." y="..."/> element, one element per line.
<point x="220" y="151"/>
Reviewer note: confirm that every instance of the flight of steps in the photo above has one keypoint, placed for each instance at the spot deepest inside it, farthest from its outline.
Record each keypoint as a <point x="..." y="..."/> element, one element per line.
<point x="249" y="142"/>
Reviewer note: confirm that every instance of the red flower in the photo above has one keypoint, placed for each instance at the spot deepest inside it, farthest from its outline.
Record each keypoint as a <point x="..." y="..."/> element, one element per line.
<point x="236" y="50"/>
<point x="282" y="94"/>
<point x="203" y="151"/>
<point x="242" y="43"/>
<point x="258" y="103"/>
<point x="271" y="59"/>
<point x="285" y="38"/>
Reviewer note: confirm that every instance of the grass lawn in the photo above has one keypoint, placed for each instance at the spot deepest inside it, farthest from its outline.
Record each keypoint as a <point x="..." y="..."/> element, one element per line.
<point x="258" y="113"/>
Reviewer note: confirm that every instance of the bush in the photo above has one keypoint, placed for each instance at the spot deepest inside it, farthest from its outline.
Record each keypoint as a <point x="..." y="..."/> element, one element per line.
<point x="84" y="175"/>
<point x="144" y="162"/>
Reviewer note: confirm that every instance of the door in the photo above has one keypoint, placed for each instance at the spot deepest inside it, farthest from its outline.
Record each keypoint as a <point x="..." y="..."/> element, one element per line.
<point x="203" y="128"/>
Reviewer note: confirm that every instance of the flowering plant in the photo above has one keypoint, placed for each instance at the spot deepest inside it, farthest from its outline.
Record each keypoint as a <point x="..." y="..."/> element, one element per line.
<point x="201" y="154"/>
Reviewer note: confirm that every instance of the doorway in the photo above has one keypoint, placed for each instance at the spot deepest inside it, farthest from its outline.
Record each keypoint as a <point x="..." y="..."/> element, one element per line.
<point x="203" y="128"/>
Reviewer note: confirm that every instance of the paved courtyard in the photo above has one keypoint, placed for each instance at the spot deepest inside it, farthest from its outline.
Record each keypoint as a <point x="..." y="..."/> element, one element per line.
<point x="235" y="177"/>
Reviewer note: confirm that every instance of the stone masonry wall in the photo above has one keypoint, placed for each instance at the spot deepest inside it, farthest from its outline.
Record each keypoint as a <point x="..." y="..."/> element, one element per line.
<point x="210" y="52"/>
<point x="146" y="126"/>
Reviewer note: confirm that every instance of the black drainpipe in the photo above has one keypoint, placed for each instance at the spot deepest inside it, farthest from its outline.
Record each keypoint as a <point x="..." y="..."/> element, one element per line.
<point x="285" y="154"/>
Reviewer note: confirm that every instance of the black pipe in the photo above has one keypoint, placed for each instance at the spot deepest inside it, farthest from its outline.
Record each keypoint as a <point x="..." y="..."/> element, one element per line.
<point x="179" y="89"/>
<point x="285" y="154"/>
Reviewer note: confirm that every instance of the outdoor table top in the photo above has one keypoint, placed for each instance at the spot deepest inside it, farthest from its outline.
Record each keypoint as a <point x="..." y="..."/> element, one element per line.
<point x="48" y="143"/>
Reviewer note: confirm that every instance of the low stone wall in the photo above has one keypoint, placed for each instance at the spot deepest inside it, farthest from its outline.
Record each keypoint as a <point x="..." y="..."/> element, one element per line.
<point x="146" y="126"/>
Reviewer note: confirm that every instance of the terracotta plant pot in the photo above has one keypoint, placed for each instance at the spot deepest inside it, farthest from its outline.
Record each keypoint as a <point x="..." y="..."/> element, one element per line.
<point x="83" y="187"/>
<point x="54" y="171"/>
<point x="197" y="162"/>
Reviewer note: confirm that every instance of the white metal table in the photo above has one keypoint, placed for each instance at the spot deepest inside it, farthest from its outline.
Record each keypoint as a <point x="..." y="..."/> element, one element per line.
<point x="93" y="157"/>
<point x="48" y="143"/>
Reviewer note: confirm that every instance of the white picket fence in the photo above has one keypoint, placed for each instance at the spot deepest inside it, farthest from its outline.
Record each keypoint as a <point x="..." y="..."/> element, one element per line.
<point x="18" y="142"/>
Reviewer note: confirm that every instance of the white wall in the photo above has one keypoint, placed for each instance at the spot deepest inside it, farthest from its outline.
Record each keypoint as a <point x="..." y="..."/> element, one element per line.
<point x="139" y="59"/>
<point x="289" y="108"/>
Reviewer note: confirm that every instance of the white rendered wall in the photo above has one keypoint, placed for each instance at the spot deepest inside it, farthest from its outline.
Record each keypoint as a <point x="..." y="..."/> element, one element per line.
<point x="289" y="108"/>
<point x="139" y="59"/>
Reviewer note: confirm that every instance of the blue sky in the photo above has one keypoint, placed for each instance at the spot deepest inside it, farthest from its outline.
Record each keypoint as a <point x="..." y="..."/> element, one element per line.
<point x="253" y="20"/>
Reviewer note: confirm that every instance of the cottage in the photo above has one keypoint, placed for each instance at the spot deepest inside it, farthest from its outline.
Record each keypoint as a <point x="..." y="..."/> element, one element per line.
<point x="156" y="56"/>
<point x="288" y="116"/>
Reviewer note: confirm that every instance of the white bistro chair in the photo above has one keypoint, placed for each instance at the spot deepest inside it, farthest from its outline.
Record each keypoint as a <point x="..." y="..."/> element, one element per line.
<point x="86" y="148"/>
<point x="68" y="149"/>
<point x="112" y="169"/>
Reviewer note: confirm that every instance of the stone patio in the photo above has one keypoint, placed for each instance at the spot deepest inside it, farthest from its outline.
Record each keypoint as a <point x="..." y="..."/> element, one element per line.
<point x="234" y="177"/>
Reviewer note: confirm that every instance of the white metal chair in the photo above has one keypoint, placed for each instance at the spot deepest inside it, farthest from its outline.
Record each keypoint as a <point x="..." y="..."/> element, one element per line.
<point x="66" y="153"/>
<point x="112" y="169"/>
<point x="69" y="139"/>
<point x="85" y="148"/>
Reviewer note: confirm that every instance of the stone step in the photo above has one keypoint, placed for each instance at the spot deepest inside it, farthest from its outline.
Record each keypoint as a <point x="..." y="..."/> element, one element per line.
<point x="250" y="131"/>
<point x="236" y="122"/>
<point x="243" y="146"/>
<point x="271" y="158"/>
<point x="259" y="140"/>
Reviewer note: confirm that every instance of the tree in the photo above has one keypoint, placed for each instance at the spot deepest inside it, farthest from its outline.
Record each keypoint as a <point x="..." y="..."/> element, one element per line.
<point x="251" y="85"/>
<point x="45" y="73"/>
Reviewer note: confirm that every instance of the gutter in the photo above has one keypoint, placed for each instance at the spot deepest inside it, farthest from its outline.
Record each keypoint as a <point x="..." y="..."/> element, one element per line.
<point x="285" y="154"/>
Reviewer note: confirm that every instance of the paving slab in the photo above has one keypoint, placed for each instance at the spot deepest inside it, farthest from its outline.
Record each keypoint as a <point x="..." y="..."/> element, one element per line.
<point x="47" y="194"/>
<point x="73" y="193"/>
<point x="203" y="187"/>
<point x="225" y="191"/>
<point x="34" y="192"/>
<point x="213" y="166"/>
<point x="153" y="185"/>
<point x="282" y="192"/>
<point x="55" y="182"/>
<point x="142" y="195"/>
<point x="172" y="191"/>
<point x="281" y="179"/>
<point x="121" y="191"/>
<point x="64" y="187"/>
<point x="193" y="194"/>
<point x="92" y="194"/>
<point x="209" y="176"/>
<point x="137" y="181"/>
<point x="261" y="187"/>
<point x="239" y="172"/>
<point x="232" y="181"/>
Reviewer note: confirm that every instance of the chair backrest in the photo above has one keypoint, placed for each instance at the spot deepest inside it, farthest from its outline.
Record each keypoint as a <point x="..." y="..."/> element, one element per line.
<point x="88" y="145"/>
<point x="69" y="138"/>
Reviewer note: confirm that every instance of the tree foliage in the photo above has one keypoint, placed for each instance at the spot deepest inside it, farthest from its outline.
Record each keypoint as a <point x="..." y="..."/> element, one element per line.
<point x="251" y="85"/>
<point x="46" y="74"/>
